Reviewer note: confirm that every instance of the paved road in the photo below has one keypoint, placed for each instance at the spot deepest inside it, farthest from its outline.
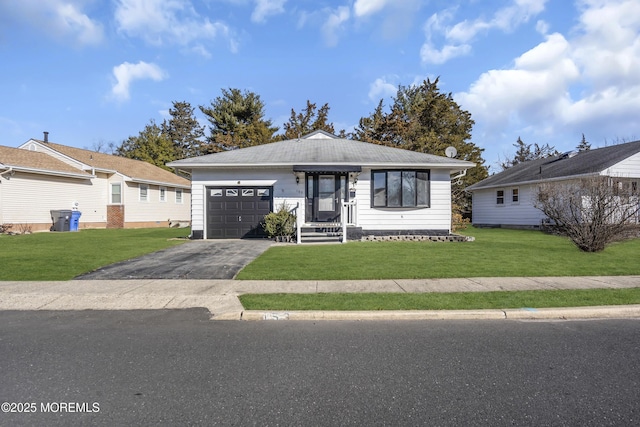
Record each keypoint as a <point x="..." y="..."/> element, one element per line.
<point x="175" y="367"/>
<point x="197" y="259"/>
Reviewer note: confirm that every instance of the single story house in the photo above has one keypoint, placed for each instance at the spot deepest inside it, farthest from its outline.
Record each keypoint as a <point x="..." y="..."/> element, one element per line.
<point x="109" y="191"/>
<point x="506" y="199"/>
<point x="333" y="185"/>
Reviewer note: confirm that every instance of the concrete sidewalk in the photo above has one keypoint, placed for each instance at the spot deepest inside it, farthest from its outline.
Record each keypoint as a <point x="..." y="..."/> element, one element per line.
<point x="220" y="296"/>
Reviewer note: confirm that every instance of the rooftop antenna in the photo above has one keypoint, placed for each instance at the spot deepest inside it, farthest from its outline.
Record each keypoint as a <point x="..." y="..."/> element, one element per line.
<point x="451" y="152"/>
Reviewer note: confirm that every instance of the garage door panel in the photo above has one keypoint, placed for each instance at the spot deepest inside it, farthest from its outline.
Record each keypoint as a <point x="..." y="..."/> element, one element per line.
<point x="236" y="212"/>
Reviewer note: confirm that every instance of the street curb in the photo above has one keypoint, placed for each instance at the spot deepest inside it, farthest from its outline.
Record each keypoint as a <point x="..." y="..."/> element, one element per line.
<point x="563" y="313"/>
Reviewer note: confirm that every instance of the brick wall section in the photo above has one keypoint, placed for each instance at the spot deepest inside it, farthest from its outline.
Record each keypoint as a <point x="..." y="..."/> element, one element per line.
<point x="115" y="216"/>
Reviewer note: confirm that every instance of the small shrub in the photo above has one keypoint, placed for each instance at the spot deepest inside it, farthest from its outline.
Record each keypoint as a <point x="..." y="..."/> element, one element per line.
<point x="4" y="228"/>
<point x="280" y="225"/>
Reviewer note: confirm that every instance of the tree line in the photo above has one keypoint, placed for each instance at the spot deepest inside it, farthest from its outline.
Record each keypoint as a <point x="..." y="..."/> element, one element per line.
<point x="419" y="118"/>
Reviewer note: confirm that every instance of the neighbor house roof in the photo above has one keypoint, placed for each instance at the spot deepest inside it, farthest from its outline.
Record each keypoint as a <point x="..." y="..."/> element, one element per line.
<point x="320" y="148"/>
<point x="564" y="166"/>
<point x="136" y="170"/>
<point x="31" y="161"/>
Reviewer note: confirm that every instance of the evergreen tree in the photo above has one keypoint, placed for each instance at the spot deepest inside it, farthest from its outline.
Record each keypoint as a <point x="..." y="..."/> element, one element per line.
<point x="584" y="145"/>
<point x="236" y="121"/>
<point x="527" y="152"/>
<point x="423" y="119"/>
<point x="151" y="146"/>
<point x="183" y="130"/>
<point x="308" y="121"/>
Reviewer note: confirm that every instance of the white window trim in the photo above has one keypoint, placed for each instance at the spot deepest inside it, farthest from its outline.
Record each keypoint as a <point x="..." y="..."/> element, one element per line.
<point x="496" y="197"/>
<point x="517" y="202"/>
<point x="181" y="192"/>
<point x="146" y="198"/>
<point x="162" y="194"/>
<point x="111" y="202"/>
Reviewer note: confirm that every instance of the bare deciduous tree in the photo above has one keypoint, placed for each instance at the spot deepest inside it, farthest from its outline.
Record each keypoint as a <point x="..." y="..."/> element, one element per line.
<point x="592" y="212"/>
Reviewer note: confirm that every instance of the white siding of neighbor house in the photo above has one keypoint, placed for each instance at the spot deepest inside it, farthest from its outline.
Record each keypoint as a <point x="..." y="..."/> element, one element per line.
<point x="29" y="198"/>
<point x="153" y="210"/>
<point x="628" y="168"/>
<point x="486" y="211"/>
<point x="285" y="190"/>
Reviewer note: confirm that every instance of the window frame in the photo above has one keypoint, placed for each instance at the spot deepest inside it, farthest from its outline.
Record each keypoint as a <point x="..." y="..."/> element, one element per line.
<point x="179" y="196"/>
<point x="111" y="193"/>
<point x="500" y="197"/>
<point x="515" y="195"/>
<point x="399" y="186"/>
<point x="162" y="194"/>
<point x="144" y="187"/>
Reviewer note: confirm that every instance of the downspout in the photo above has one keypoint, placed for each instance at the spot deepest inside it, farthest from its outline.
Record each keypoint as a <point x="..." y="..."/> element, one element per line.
<point x="462" y="174"/>
<point x="10" y="170"/>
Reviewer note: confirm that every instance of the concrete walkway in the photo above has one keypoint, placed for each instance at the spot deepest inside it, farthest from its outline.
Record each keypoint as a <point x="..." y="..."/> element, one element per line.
<point x="220" y="296"/>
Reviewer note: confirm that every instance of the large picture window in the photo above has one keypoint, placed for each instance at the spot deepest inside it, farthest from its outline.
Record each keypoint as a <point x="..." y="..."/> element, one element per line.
<point x="400" y="188"/>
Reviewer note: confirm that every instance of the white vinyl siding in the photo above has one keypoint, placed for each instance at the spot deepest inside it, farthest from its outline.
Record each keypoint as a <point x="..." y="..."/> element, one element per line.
<point x="485" y="211"/>
<point x="435" y="217"/>
<point x="29" y="198"/>
<point x="153" y="210"/>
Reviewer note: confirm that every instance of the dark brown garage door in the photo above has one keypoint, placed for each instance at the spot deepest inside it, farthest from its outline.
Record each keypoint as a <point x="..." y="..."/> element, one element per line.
<point x="236" y="212"/>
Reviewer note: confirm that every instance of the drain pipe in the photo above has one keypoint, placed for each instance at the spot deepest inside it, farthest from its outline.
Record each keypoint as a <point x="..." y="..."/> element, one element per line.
<point x="10" y="171"/>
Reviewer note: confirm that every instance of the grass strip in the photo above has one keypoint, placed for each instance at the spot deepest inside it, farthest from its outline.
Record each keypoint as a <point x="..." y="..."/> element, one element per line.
<point x="62" y="256"/>
<point x="494" y="253"/>
<point x="440" y="301"/>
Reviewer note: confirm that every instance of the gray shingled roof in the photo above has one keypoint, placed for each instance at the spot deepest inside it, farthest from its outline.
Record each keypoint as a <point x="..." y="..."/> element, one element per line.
<point x="327" y="150"/>
<point x="563" y="166"/>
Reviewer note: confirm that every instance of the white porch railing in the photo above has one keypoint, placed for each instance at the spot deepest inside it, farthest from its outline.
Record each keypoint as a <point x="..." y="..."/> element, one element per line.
<point x="349" y="216"/>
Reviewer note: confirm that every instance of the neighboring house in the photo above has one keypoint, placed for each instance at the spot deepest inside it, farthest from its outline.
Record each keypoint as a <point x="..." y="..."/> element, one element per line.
<point x="109" y="191"/>
<point x="507" y="198"/>
<point x="328" y="182"/>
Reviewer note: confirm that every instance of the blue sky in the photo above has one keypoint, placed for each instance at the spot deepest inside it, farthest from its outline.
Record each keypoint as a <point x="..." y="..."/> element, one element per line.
<point x="92" y="72"/>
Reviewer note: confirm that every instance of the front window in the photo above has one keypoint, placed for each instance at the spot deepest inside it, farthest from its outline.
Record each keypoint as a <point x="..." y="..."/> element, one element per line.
<point x="116" y="194"/>
<point x="144" y="192"/>
<point x="178" y="195"/>
<point x="163" y="194"/>
<point x="500" y="197"/>
<point x="515" y="196"/>
<point x="400" y="188"/>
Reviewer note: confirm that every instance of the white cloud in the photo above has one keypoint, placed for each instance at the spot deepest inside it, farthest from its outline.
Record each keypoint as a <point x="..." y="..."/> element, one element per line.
<point x="60" y="18"/>
<point x="126" y="73"/>
<point x="458" y="37"/>
<point x="265" y="8"/>
<point x="381" y="88"/>
<point x="588" y="83"/>
<point x="369" y="7"/>
<point x="161" y="22"/>
<point x="334" y="25"/>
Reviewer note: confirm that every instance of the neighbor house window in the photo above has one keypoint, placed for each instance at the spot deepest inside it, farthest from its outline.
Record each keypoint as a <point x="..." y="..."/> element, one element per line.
<point x="163" y="194"/>
<point x="515" y="196"/>
<point x="178" y="195"/>
<point x="400" y="188"/>
<point x="500" y="197"/>
<point x="144" y="192"/>
<point x="116" y="194"/>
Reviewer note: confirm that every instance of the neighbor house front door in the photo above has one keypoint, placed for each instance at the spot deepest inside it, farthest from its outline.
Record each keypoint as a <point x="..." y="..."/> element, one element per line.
<point x="324" y="196"/>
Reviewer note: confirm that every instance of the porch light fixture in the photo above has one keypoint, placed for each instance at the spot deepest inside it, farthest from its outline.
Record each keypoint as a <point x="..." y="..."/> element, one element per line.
<point x="297" y="180"/>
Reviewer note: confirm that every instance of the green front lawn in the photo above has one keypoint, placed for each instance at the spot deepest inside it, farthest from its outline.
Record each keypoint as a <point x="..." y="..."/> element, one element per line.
<point x="494" y="253"/>
<point x="441" y="301"/>
<point x="62" y="256"/>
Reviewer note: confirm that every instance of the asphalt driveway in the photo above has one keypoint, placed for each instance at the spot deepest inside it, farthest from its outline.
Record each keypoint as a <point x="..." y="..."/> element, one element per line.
<point x="196" y="259"/>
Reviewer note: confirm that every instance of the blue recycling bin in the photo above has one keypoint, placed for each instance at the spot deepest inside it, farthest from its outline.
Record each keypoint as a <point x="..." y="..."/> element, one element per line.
<point x="75" y="220"/>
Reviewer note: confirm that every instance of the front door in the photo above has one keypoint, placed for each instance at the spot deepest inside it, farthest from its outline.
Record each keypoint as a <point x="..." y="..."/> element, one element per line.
<point x="325" y="193"/>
